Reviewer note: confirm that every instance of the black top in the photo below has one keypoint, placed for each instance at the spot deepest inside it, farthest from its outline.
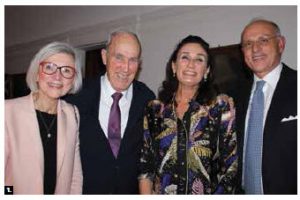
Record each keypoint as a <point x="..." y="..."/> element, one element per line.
<point x="182" y="127"/>
<point x="49" y="141"/>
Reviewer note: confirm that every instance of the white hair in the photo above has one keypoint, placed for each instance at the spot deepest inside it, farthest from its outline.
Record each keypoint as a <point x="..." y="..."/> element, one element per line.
<point x="44" y="53"/>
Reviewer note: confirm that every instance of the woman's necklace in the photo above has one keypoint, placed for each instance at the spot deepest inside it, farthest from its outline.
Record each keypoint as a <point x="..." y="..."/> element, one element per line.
<point x="48" y="128"/>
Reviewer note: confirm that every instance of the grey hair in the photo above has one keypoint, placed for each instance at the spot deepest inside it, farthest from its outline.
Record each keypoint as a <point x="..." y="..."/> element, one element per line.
<point x="258" y="20"/>
<point x="122" y="32"/>
<point x="50" y="50"/>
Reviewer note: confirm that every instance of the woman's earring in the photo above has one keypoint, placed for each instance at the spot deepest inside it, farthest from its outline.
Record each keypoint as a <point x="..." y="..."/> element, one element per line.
<point x="174" y="74"/>
<point x="205" y="77"/>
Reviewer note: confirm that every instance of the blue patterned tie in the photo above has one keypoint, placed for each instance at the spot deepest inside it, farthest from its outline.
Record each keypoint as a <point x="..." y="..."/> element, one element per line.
<point x="253" y="153"/>
<point x="114" y="124"/>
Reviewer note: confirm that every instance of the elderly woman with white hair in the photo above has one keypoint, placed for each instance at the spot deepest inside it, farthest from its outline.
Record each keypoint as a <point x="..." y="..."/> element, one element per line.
<point x="41" y="130"/>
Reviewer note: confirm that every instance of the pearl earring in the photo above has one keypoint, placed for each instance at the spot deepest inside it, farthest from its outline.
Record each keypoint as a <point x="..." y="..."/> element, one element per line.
<point x="205" y="77"/>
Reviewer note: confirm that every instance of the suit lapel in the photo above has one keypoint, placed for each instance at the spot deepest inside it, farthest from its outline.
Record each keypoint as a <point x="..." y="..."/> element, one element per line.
<point x="35" y="136"/>
<point x="95" y="113"/>
<point x="242" y="106"/>
<point x="134" y="114"/>
<point x="274" y="114"/>
<point x="61" y="135"/>
<point x="242" y="101"/>
<point x="134" y="108"/>
<point x="96" y="108"/>
<point x="94" y="96"/>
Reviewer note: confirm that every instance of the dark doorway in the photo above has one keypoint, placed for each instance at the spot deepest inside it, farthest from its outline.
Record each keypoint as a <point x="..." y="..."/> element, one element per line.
<point x="228" y="67"/>
<point x="93" y="63"/>
<point x="15" y="86"/>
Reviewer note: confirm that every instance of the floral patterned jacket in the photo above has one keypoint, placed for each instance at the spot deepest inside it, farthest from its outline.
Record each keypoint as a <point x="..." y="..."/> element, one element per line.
<point x="195" y="155"/>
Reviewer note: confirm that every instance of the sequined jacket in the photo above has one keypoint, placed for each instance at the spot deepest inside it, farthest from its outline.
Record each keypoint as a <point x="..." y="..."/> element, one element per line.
<point x="193" y="155"/>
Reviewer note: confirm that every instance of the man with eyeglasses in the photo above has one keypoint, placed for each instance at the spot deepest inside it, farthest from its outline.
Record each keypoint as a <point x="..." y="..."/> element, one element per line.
<point x="111" y="126"/>
<point x="267" y="114"/>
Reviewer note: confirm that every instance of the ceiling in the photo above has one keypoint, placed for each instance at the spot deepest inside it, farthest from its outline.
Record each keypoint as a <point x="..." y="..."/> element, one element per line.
<point x="27" y="23"/>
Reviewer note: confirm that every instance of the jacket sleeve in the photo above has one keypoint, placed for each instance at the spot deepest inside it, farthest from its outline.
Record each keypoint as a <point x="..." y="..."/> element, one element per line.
<point x="147" y="150"/>
<point x="227" y="160"/>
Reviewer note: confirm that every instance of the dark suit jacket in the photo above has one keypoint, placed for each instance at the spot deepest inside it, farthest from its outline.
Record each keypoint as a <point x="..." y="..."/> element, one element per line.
<point x="102" y="173"/>
<point x="279" y="161"/>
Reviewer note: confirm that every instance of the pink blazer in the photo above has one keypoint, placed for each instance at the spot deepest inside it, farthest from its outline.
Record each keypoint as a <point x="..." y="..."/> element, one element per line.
<point x="24" y="159"/>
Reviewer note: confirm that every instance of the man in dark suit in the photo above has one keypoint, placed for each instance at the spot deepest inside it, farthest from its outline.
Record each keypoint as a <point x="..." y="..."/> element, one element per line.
<point x="110" y="163"/>
<point x="262" y="46"/>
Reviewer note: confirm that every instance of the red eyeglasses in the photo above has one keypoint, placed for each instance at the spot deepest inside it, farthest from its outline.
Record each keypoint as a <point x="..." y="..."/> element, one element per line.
<point x="51" y="68"/>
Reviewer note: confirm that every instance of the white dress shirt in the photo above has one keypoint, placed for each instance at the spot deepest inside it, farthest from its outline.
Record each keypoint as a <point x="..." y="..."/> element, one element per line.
<point x="106" y="102"/>
<point x="271" y="80"/>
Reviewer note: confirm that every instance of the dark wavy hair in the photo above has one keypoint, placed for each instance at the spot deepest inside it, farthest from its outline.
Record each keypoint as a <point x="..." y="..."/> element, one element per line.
<point x="206" y="91"/>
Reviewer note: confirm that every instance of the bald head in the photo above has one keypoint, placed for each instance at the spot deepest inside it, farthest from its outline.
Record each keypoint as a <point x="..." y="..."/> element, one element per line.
<point x="263" y="22"/>
<point x="123" y="34"/>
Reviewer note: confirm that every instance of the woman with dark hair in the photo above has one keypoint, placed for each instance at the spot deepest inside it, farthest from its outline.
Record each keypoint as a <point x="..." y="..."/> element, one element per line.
<point x="189" y="132"/>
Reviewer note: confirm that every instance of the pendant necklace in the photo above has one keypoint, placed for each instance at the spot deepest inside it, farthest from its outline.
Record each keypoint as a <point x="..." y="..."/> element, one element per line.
<point x="48" y="129"/>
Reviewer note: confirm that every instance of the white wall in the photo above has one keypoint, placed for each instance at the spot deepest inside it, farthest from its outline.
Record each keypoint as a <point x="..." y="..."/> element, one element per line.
<point x="218" y="25"/>
<point x="160" y="28"/>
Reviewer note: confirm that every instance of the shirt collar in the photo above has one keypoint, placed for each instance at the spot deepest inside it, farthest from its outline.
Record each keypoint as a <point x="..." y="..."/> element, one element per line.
<point x="272" y="77"/>
<point x="109" y="90"/>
